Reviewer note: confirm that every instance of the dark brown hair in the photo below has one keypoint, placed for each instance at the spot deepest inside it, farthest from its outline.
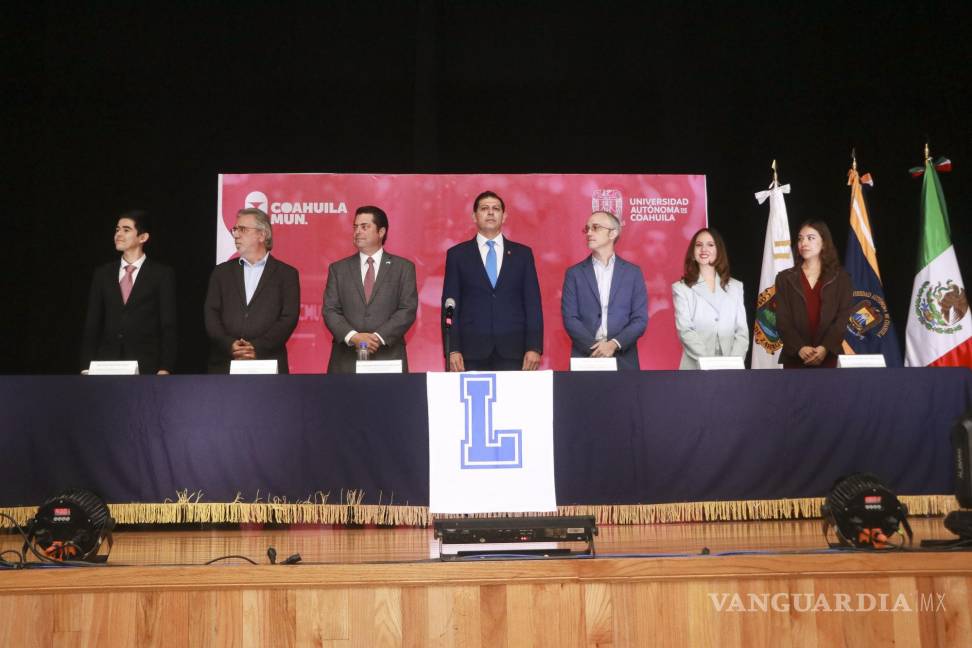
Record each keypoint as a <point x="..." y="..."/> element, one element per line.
<point x="488" y="194"/>
<point x="378" y="216"/>
<point x="140" y="217"/>
<point x="691" y="269"/>
<point x="829" y="261"/>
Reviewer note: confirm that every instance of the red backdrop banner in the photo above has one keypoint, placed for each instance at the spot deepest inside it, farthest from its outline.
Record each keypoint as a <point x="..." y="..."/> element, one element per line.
<point x="312" y="214"/>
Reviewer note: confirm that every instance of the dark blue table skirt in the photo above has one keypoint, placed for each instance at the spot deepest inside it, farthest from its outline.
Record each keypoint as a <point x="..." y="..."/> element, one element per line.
<point x="627" y="438"/>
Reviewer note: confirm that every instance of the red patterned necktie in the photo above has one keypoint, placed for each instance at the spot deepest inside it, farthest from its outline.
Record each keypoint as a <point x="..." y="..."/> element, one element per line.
<point x="369" y="280"/>
<point x="127" y="283"/>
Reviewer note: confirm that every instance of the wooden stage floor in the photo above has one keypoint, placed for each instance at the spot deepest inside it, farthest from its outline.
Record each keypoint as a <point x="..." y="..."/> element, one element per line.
<point x="773" y="584"/>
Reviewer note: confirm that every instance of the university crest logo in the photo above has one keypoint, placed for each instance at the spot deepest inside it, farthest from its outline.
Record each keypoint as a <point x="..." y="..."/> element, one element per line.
<point x="608" y="200"/>
<point x="767" y="335"/>
<point x="870" y="316"/>
<point x="940" y="308"/>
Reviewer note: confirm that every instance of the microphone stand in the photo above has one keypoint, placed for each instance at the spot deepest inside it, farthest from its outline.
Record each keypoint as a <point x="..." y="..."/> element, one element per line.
<point x="446" y="329"/>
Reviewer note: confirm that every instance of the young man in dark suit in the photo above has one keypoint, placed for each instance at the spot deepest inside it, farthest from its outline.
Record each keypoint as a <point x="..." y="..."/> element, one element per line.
<point x="498" y="318"/>
<point x="132" y="305"/>
<point x="253" y="302"/>
<point x="371" y="297"/>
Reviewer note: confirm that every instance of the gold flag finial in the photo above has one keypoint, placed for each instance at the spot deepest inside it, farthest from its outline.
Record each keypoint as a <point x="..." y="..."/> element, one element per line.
<point x="775" y="178"/>
<point x="854" y="159"/>
<point x="927" y="154"/>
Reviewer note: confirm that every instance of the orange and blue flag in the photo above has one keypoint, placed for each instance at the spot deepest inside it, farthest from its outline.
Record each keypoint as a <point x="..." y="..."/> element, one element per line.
<point x="869" y="329"/>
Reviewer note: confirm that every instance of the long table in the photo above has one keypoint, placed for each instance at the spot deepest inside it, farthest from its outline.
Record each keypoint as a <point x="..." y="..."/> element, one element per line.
<point x="624" y="439"/>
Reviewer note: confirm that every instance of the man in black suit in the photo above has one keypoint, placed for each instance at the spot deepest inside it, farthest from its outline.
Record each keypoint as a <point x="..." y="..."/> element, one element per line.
<point x="498" y="318"/>
<point x="132" y="305"/>
<point x="370" y="298"/>
<point x="253" y="302"/>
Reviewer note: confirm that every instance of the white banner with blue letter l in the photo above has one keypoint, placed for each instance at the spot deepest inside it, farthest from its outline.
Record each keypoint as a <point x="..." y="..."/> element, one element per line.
<point x="491" y="442"/>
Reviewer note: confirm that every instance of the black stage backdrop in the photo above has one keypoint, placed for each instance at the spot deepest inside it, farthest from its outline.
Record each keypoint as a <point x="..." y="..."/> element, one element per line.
<point x="113" y="107"/>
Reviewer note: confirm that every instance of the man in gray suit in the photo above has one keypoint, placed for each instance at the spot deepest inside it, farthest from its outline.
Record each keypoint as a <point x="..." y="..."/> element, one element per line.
<point x="370" y="298"/>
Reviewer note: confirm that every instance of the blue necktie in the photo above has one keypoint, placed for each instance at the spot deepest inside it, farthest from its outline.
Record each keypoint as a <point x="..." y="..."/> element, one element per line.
<point x="491" y="263"/>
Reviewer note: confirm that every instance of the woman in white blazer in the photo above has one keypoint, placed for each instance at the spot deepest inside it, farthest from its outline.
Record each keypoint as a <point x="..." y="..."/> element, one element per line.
<point x="709" y="312"/>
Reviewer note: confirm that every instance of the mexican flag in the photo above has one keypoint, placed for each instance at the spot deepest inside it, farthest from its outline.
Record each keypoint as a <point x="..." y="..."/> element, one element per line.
<point x="939" y="329"/>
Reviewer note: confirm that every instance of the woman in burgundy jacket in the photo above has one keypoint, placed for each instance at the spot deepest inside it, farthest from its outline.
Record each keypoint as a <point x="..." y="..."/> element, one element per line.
<point x="814" y="299"/>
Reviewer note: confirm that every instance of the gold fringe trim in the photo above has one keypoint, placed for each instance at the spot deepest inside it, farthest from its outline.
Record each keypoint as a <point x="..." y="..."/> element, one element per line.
<point x="739" y="510"/>
<point x="315" y="510"/>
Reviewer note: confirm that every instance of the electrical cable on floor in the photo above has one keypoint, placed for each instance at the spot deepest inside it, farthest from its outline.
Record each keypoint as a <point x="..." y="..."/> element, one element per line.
<point x="18" y="564"/>
<point x="214" y="560"/>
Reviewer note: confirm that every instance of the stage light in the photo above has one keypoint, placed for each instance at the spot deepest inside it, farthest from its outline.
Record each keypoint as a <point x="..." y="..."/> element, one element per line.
<point x="864" y="512"/>
<point x="962" y="457"/>
<point x="960" y="522"/>
<point x="71" y="526"/>
<point x="547" y="536"/>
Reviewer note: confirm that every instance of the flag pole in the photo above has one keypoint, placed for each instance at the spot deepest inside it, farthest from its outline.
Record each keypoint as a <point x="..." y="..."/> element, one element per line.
<point x="854" y="159"/>
<point x="776" y="181"/>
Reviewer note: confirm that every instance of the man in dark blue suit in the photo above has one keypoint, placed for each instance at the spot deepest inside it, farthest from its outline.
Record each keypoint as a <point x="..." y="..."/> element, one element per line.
<point x="604" y="302"/>
<point x="498" y="319"/>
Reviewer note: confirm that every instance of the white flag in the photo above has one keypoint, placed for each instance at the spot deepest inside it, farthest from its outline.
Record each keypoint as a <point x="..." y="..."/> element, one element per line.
<point x="777" y="255"/>
<point x="491" y="442"/>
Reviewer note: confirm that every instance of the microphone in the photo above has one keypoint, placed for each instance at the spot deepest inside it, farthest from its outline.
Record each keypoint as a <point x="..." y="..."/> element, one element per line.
<point x="450" y="309"/>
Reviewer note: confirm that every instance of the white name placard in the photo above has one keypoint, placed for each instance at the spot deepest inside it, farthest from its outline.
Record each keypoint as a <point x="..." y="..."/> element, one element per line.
<point x="859" y="360"/>
<point x="253" y="367"/>
<point x="113" y="368"/>
<point x="711" y="363"/>
<point x="498" y="547"/>
<point x="378" y="366"/>
<point x="593" y="364"/>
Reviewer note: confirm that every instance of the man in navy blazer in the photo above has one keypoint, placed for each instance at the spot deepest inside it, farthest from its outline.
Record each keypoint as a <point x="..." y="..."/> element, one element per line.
<point x="498" y="318"/>
<point x="604" y="302"/>
<point x="132" y="305"/>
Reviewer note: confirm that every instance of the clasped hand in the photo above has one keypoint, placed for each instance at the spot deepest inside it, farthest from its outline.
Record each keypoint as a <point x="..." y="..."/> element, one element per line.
<point x="603" y="349"/>
<point x="372" y="340"/>
<point x="243" y="350"/>
<point x="813" y="356"/>
<point x="531" y="361"/>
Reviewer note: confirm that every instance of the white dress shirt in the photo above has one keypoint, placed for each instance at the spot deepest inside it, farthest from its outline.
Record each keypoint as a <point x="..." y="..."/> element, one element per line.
<point x="124" y="264"/>
<point x="603" y="273"/>
<point x="484" y="250"/>
<point x="363" y="261"/>
<point x="251" y="275"/>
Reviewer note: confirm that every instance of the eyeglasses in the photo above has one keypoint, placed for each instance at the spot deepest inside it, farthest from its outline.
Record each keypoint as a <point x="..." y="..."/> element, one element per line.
<point x="596" y="228"/>
<point x="242" y="229"/>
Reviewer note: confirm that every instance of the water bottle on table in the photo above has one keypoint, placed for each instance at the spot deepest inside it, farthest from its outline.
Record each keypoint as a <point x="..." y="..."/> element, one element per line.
<point x="363" y="351"/>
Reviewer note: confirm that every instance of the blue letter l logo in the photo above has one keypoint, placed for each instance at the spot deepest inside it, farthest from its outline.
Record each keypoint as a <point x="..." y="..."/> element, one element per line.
<point x="483" y="446"/>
